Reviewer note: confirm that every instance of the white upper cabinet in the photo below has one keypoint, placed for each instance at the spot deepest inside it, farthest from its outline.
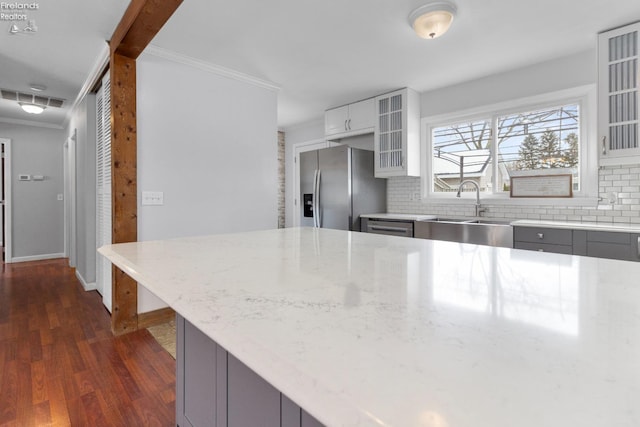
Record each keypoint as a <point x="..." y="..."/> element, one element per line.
<point x="350" y="120"/>
<point x="618" y="98"/>
<point x="397" y="134"/>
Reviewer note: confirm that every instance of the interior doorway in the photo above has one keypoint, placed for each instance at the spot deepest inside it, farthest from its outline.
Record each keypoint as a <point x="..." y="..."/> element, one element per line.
<point x="5" y="198"/>
<point x="69" y="165"/>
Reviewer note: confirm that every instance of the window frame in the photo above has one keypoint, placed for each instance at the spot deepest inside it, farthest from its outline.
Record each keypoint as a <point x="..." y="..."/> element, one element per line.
<point x="584" y="96"/>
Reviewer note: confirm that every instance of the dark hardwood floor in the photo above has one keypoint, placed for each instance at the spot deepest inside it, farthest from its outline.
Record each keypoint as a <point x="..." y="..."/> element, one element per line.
<point x="59" y="363"/>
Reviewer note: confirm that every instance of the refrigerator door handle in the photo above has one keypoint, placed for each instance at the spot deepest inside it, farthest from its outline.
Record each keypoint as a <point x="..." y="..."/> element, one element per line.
<point x="313" y="198"/>
<point x="316" y="198"/>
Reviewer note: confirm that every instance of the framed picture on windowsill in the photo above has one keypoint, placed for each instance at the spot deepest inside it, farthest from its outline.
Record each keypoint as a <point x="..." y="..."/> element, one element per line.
<point x="542" y="186"/>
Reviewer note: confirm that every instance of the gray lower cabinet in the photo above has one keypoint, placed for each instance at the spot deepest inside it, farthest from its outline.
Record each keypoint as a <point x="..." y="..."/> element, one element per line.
<point x="605" y="244"/>
<point x="540" y="239"/>
<point x="215" y="389"/>
<point x="601" y="244"/>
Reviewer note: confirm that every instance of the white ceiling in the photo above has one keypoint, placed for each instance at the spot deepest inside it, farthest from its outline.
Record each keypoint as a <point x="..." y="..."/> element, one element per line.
<point x="71" y="34"/>
<point x="320" y="53"/>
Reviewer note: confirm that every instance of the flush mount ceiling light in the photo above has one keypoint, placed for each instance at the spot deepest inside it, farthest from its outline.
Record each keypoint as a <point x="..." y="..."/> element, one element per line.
<point x="32" y="108"/>
<point x="37" y="87"/>
<point x="433" y="19"/>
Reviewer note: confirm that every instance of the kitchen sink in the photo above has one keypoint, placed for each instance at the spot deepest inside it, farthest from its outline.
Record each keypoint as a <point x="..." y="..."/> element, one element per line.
<point x="477" y="231"/>
<point x="490" y="221"/>
<point x="466" y="220"/>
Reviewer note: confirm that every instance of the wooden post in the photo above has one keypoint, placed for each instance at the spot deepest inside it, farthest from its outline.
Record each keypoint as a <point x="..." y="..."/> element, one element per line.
<point x="140" y="23"/>
<point x="124" y="189"/>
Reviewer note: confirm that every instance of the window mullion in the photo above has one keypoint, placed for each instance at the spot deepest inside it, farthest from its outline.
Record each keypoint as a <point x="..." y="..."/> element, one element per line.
<point x="494" y="154"/>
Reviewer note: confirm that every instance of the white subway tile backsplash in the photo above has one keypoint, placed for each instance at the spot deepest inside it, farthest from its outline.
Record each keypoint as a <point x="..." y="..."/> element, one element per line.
<point x="630" y="176"/>
<point x="624" y="181"/>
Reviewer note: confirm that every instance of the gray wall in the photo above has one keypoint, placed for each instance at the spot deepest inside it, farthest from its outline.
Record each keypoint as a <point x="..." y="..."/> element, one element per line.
<point x="209" y="143"/>
<point x="38" y="217"/>
<point x="83" y="121"/>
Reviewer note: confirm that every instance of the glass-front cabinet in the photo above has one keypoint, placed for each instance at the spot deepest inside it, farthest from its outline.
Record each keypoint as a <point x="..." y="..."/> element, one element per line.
<point x="618" y="95"/>
<point x="397" y="134"/>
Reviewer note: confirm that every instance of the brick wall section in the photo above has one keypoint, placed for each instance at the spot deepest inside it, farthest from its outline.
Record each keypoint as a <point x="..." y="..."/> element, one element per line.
<point x="624" y="180"/>
<point x="281" y="183"/>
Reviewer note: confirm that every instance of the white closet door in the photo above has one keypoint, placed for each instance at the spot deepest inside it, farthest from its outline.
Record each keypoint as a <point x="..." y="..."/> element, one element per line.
<point x="103" y="180"/>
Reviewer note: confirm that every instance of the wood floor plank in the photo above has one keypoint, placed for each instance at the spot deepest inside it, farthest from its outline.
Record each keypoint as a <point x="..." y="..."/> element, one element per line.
<point x="57" y="402"/>
<point x="24" y="401"/>
<point x="60" y="365"/>
<point x="39" y="392"/>
<point x="9" y="392"/>
<point x="35" y="345"/>
<point x="42" y="414"/>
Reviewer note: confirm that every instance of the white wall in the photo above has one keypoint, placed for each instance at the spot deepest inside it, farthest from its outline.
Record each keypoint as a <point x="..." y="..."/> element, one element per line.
<point x="209" y="143"/>
<point x="83" y="120"/>
<point x="38" y="217"/>
<point x="550" y="76"/>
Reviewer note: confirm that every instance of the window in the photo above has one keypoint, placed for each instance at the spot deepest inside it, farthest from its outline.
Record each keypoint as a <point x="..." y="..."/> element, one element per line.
<point x="491" y="146"/>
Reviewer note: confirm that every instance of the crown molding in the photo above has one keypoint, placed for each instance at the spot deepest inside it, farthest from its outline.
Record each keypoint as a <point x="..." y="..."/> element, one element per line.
<point x="99" y="65"/>
<point x="30" y="123"/>
<point x="209" y="67"/>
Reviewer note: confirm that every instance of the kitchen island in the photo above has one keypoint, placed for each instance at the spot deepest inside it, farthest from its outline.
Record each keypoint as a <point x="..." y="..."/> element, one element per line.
<point x="372" y="330"/>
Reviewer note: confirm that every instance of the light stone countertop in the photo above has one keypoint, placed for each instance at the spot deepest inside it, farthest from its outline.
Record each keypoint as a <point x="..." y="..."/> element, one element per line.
<point x="371" y="330"/>
<point x="589" y="226"/>
<point x="405" y="217"/>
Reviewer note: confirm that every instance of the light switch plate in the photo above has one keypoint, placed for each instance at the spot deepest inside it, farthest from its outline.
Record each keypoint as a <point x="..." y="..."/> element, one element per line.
<point x="152" y="198"/>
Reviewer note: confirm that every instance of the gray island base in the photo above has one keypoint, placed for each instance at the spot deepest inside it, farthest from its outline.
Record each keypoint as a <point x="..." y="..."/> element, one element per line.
<point x="214" y="389"/>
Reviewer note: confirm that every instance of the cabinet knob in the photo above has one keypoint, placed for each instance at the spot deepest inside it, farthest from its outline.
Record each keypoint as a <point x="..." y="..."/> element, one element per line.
<point x="540" y="235"/>
<point x="604" y="145"/>
<point x="345" y="125"/>
<point x="349" y="124"/>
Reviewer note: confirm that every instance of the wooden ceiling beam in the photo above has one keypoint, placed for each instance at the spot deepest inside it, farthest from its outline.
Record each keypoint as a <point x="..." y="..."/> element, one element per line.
<point x="140" y="23"/>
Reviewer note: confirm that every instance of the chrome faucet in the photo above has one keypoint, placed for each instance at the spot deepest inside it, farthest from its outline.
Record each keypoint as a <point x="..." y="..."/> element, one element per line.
<point x="479" y="210"/>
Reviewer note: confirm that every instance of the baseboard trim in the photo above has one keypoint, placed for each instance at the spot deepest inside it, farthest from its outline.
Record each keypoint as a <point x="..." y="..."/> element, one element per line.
<point x="87" y="286"/>
<point x="156" y="317"/>
<point x="36" y="257"/>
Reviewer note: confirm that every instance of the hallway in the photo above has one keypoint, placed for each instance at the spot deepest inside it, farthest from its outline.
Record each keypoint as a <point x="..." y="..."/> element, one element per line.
<point x="59" y="363"/>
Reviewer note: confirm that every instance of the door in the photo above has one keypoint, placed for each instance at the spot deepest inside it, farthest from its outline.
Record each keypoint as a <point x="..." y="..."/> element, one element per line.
<point x="6" y="199"/>
<point x="335" y="187"/>
<point x="336" y="120"/>
<point x="103" y="190"/>
<point x="619" y="95"/>
<point x="308" y="168"/>
<point x="362" y="115"/>
<point x="69" y="162"/>
<point x="2" y="197"/>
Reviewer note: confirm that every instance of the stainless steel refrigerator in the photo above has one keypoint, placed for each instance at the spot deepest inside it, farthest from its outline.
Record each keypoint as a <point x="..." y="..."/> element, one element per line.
<point x="337" y="186"/>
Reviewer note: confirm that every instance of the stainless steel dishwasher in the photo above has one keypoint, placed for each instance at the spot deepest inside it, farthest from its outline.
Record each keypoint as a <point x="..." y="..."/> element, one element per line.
<point x="402" y="228"/>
